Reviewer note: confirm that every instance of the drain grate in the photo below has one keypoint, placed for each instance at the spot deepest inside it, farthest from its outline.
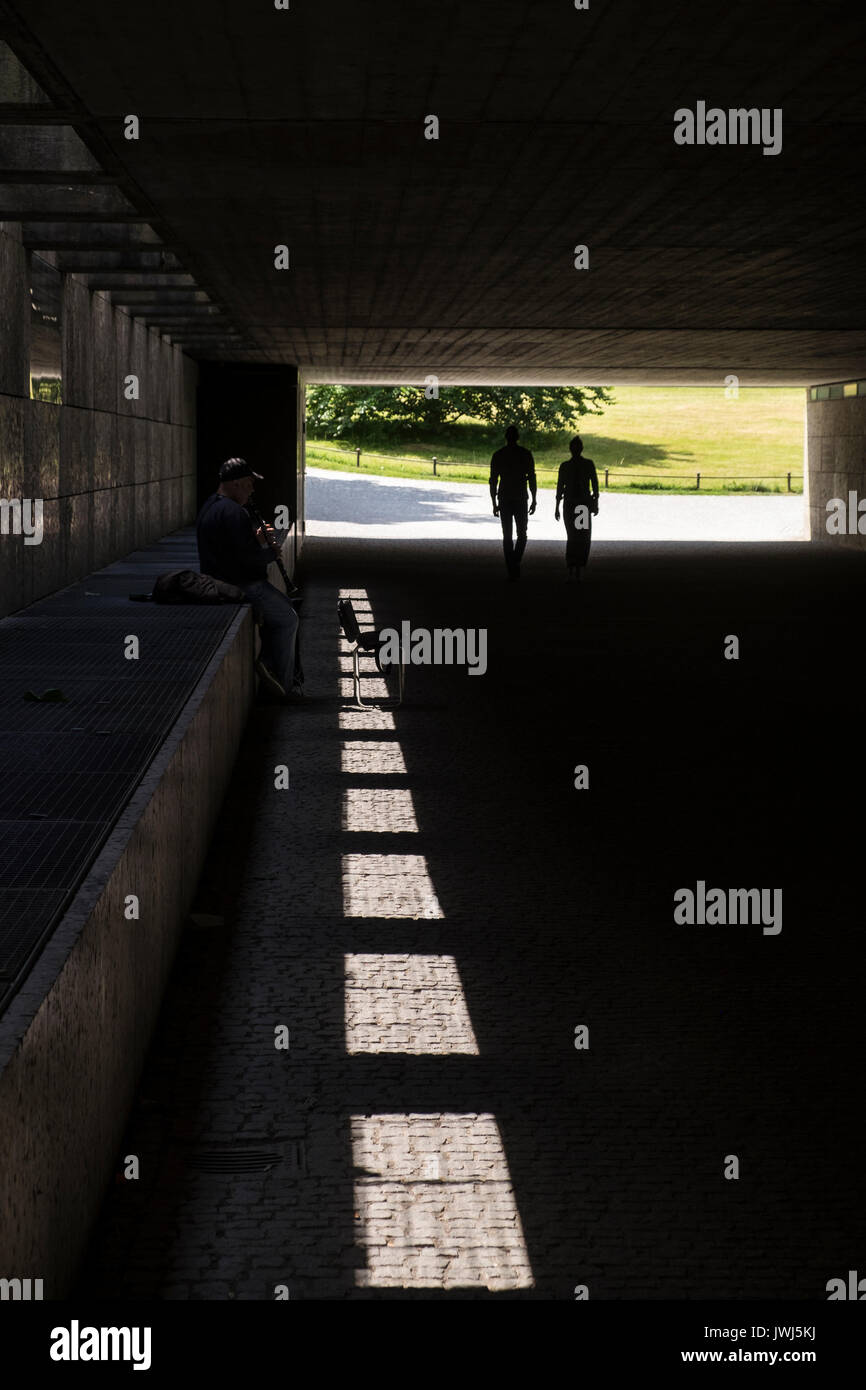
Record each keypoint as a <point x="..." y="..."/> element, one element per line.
<point x="231" y="1159"/>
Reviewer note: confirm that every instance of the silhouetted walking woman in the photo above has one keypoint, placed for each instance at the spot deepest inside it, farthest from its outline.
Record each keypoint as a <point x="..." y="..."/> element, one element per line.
<point x="577" y="484"/>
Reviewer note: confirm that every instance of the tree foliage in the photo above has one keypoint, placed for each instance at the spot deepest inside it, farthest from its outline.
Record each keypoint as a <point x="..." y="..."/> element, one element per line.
<point x="335" y="412"/>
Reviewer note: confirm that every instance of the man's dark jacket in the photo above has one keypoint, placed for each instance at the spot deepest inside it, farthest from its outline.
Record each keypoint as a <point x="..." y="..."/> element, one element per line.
<point x="511" y="468"/>
<point x="227" y="545"/>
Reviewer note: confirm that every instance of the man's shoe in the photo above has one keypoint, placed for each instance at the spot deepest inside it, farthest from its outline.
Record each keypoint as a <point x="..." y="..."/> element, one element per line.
<point x="269" y="680"/>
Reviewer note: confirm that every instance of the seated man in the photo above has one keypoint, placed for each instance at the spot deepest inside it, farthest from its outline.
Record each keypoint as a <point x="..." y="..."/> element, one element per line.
<point x="230" y="548"/>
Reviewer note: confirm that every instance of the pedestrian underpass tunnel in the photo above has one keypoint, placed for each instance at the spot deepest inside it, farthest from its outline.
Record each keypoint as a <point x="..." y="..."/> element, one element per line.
<point x="516" y="207"/>
<point x="390" y="1003"/>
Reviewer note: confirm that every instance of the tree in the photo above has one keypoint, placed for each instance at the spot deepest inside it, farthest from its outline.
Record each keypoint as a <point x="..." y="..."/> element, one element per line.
<point x="545" y="408"/>
<point x="336" y="411"/>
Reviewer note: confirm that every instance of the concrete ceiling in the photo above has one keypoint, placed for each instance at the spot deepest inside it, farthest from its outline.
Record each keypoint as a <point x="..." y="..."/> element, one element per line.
<point x="410" y="256"/>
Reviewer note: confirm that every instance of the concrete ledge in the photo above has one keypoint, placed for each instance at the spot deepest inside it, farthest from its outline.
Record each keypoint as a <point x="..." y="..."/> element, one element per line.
<point x="74" y="1040"/>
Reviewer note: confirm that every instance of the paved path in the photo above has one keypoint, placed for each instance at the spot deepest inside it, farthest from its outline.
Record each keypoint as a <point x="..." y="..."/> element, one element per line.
<point x="346" y="504"/>
<point x="431" y="909"/>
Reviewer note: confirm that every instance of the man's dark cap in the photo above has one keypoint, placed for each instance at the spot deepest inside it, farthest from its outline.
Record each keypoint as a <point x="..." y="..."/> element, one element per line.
<point x="237" y="468"/>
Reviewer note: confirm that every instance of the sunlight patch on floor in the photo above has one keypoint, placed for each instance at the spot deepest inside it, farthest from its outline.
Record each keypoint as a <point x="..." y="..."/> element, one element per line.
<point x="379" y="810"/>
<point x="388" y="885"/>
<point x="366" y="719"/>
<point x="435" y="1207"/>
<point x="370" y="689"/>
<point x="371" y="759"/>
<point x="406" y="1003"/>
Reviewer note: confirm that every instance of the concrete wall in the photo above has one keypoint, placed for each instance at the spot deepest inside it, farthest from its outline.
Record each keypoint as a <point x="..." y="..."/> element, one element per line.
<point x="74" y="1040"/>
<point x="113" y="474"/>
<point x="836" y="455"/>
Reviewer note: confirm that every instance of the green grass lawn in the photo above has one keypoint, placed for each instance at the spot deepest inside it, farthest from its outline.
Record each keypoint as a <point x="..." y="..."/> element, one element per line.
<point x="669" y="433"/>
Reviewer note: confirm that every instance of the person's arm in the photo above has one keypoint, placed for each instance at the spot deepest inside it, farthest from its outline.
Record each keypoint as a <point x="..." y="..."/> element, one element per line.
<point x="560" y="488"/>
<point x="494" y="483"/>
<point x="252" y="557"/>
<point x="531" y="479"/>
<point x="593" y="483"/>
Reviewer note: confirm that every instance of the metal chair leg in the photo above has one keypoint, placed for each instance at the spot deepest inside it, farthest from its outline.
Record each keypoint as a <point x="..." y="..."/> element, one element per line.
<point x="389" y="703"/>
<point x="356" y="654"/>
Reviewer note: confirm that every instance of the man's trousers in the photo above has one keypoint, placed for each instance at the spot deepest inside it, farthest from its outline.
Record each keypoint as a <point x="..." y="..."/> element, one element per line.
<point x="513" y="513"/>
<point x="280" y="629"/>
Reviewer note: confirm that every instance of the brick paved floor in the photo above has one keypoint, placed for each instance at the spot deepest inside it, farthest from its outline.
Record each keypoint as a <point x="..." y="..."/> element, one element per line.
<point x="431" y="909"/>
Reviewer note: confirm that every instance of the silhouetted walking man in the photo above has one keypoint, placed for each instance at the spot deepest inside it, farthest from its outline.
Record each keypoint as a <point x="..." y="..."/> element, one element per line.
<point x="577" y="483"/>
<point x="511" y="469"/>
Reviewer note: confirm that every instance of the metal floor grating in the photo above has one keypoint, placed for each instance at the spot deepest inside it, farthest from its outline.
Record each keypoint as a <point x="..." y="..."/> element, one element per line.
<point x="48" y="904"/>
<point x="76" y="750"/>
<point x="79" y="652"/>
<point x="61" y="796"/>
<point x="45" y="854"/>
<point x="103" y="708"/>
<point x="68" y="769"/>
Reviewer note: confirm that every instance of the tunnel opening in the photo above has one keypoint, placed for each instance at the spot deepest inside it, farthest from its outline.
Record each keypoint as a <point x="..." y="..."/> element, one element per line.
<point x="723" y="462"/>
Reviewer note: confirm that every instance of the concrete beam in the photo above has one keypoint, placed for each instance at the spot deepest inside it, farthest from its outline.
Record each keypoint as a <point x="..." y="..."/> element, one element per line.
<point x="46" y="149"/>
<point x="76" y="216"/>
<point x="60" y="177"/>
<point x="124" y="261"/>
<point x="231" y="343"/>
<point x="166" y="322"/>
<point x="143" y="279"/>
<point x="106" y="233"/>
<point x="22" y="113"/>
<point x="49" y="238"/>
<point x="155" y="303"/>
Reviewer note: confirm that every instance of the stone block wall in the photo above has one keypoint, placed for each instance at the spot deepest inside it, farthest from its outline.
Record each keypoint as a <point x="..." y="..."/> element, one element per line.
<point x="113" y="474"/>
<point x="836" y="451"/>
